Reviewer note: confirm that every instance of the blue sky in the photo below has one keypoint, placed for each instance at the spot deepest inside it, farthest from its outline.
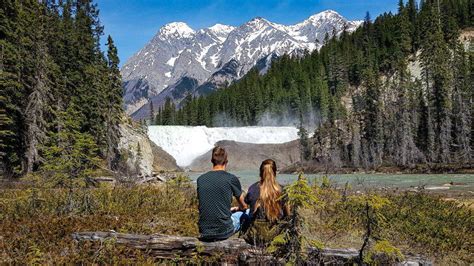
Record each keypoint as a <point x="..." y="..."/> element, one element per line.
<point x="132" y="23"/>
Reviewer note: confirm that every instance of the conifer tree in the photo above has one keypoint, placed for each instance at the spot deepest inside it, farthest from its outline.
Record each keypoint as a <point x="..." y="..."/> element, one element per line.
<point x="12" y="92"/>
<point x="372" y="127"/>
<point x="70" y="155"/>
<point x="305" y="146"/>
<point x="462" y="99"/>
<point x="435" y="58"/>
<point x="51" y="60"/>
<point x="5" y="131"/>
<point x="113" y="102"/>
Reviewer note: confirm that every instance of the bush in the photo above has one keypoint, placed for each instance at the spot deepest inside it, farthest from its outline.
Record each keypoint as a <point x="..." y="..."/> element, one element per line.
<point x="383" y="253"/>
<point x="36" y="224"/>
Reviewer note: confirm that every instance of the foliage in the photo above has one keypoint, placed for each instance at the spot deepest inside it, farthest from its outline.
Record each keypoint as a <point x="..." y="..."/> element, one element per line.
<point x="51" y="63"/>
<point x="412" y="222"/>
<point x="289" y="244"/>
<point x="372" y="219"/>
<point x="36" y="223"/>
<point x="35" y="227"/>
<point x="383" y="253"/>
<point x="71" y="156"/>
<point x="305" y="146"/>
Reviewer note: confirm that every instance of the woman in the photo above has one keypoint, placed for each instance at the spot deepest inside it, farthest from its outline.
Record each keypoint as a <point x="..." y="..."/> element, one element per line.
<point x="267" y="207"/>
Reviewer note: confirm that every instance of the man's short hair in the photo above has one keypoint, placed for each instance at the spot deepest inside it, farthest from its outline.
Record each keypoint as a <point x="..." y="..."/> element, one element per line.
<point x="219" y="156"/>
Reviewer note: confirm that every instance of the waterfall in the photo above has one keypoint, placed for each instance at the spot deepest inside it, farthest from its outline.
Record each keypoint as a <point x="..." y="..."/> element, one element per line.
<point x="185" y="143"/>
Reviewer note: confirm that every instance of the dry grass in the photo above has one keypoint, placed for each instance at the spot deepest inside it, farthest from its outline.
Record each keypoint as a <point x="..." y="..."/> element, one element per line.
<point x="36" y="223"/>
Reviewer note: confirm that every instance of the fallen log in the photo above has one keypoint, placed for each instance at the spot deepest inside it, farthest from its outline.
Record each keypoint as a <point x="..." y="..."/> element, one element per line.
<point x="169" y="247"/>
<point x="233" y="250"/>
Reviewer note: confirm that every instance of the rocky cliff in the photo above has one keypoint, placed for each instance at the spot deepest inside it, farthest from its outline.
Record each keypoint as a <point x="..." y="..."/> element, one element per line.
<point x="141" y="156"/>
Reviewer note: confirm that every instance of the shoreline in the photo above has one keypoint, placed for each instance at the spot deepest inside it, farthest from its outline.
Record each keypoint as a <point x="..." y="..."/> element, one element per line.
<point x="308" y="168"/>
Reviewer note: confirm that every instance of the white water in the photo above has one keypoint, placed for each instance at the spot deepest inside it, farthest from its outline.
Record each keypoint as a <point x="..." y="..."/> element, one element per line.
<point x="187" y="143"/>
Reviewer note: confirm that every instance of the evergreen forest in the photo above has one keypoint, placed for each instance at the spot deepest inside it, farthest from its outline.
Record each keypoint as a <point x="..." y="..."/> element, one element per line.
<point x="396" y="91"/>
<point x="60" y="95"/>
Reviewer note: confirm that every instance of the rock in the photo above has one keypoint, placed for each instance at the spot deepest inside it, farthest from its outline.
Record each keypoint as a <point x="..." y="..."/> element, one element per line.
<point x="244" y="156"/>
<point x="162" y="161"/>
<point x="141" y="156"/>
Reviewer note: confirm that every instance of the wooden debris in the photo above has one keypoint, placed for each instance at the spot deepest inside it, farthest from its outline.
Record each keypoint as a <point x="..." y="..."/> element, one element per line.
<point x="233" y="250"/>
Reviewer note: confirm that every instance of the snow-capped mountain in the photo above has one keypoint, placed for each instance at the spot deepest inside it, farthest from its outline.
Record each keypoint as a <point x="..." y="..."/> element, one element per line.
<point x="180" y="61"/>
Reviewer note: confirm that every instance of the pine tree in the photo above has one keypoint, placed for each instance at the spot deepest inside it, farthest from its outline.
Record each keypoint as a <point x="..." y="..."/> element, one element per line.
<point x="462" y="99"/>
<point x="51" y="60"/>
<point x="113" y="102"/>
<point x="70" y="155"/>
<point x="90" y="84"/>
<point x="12" y="92"/>
<point x="406" y="152"/>
<point x="305" y="147"/>
<point x="40" y="97"/>
<point x="404" y="42"/>
<point x="435" y="62"/>
<point x="372" y="126"/>
<point x="5" y="131"/>
<point x="412" y="11"/>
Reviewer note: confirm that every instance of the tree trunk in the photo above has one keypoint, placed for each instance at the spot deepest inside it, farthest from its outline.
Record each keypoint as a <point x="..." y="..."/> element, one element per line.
<point x="231" y="251"/>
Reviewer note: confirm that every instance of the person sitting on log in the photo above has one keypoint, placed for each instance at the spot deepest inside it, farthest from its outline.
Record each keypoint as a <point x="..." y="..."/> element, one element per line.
<point x="267" y="207"/>
<point x="217" y="220"/>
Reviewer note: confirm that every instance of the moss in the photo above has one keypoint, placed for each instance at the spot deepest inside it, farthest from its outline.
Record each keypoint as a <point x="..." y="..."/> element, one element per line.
<point x="383" y="253"/>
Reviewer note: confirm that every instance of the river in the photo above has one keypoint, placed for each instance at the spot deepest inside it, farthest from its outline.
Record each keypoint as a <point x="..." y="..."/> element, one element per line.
<point x="461" y="182"/>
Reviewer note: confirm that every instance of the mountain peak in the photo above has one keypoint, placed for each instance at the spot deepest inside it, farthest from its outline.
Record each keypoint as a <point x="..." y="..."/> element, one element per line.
<point x="258" y="20"/>
<point x="324" y="15"/>
<point x="177" y="29"/>
<point x="221" y="28"/>
<point x="257" y="23"/>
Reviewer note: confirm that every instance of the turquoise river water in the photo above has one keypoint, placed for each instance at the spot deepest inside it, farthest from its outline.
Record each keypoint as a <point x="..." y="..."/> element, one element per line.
<point x="458" y="182"/>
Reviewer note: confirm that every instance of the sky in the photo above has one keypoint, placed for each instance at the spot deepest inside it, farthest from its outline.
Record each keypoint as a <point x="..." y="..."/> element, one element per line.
<point x="133" y="23"/>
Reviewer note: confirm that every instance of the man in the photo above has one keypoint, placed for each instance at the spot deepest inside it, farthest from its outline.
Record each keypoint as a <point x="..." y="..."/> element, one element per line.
<point x="215" y="190"/>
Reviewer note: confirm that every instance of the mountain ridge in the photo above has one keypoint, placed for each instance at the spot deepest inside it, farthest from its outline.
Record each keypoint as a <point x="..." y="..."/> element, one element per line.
<point x="177" y="51"/>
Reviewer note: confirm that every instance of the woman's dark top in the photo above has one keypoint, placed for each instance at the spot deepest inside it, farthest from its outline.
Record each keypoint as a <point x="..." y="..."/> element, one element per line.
<point x="251" y="199"/>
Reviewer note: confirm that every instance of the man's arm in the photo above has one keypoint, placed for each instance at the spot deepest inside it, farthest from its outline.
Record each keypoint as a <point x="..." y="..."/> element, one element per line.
<point x="239" y="195"/>
<point x="242" y="205"/>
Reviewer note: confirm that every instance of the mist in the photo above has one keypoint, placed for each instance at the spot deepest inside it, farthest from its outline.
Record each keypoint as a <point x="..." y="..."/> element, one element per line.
<point x="311" y="120"/>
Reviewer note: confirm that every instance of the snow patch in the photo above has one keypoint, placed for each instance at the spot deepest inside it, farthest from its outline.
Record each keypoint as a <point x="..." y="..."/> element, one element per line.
<point x="178" y="29"/>
<point x="203" y="54"/>
<point x="171" y="61"/>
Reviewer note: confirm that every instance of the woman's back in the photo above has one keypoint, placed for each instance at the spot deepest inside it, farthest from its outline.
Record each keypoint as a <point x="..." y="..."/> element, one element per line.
<point x="258" y="212"/>
<point x="267" y="207"/>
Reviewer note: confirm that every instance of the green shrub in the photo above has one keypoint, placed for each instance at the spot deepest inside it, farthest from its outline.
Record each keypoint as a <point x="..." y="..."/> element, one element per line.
<point x="383" y="253"/>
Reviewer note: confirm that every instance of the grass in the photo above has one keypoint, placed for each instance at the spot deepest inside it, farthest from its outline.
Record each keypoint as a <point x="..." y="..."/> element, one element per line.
<point x="36" y="223"/>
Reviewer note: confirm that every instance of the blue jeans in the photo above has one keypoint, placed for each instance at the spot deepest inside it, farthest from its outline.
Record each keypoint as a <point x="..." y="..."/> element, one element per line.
<point x="239" y="218"/>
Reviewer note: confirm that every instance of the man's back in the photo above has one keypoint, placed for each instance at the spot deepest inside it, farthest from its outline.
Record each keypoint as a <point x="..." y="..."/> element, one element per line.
<point x="215" y="191"/>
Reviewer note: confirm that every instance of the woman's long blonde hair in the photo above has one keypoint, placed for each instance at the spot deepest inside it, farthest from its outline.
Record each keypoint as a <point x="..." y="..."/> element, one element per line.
<point x="270" y="191"/>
